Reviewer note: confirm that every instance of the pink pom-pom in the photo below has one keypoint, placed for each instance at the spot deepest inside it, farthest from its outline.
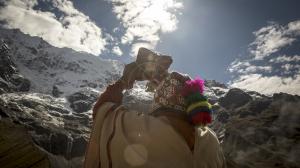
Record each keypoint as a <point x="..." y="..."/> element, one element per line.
<point x="193" y="86"/>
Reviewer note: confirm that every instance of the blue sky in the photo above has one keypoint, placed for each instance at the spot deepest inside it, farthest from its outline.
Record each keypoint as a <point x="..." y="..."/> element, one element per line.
<point x="213" y="33"/>
<point x="251" y="44"/>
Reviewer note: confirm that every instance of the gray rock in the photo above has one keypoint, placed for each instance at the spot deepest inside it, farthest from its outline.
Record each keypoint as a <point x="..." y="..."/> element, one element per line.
<point x="81" y="106"/>
<point x="4" y="87"/>
<point x="18" y="149"/>
<point x="80" y="144"/>
<point x="262" y="133"/>
<point x="10" y="78"/>
<point x="234" y="98"/>
<point x="44" y="117"/>
<point x="56" y="92"/>
<point x="22" y="84"/>
<point x="83" y="100"/>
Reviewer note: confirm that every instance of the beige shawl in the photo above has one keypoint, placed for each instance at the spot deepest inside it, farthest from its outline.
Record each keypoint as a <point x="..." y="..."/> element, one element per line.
<point x="122" y="138"/>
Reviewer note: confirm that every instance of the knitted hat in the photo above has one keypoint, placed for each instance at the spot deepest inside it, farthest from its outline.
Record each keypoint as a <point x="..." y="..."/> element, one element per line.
<point x="178" y="91"/>
<point x="168" y="92"/>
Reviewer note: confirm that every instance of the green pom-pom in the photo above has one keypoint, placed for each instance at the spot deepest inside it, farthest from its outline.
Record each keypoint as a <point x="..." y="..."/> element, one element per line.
<point x="195" y="97"/>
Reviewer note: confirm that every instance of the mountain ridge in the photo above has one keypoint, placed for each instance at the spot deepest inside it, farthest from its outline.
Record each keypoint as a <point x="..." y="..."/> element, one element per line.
<point x="68" y="70"/>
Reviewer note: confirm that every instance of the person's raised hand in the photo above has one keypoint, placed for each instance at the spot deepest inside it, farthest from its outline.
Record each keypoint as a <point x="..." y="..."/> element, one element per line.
<point x="129" y="75"/>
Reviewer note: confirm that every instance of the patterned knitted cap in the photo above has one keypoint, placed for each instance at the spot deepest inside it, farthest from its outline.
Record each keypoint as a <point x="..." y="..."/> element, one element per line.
<point x="178" y="91"/>
<point x="168" y="92"/>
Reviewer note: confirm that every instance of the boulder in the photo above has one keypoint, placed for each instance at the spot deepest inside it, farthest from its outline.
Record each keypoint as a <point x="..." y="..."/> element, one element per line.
<point x="234" y="98"/>
<point x="82" y="100"/>
<point x="81" y="106"/>
<point x="17" y="148"/>
<point x="4" y="86"/>
<point x="22" y="84"/>
<point x="56" y="92"/>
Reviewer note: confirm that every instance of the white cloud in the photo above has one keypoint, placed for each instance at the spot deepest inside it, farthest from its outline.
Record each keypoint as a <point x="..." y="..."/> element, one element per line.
<point x="287" y="68"/>
<point x="237" y="65"/>
<point x="73" y="30"/>
<point x="272" y="38"/>
<point x="285" y="58"/>
<point x="144" y="20"/>
<point x="245" y="67"/>
<point x="116" y="50"/>
<point x="294" y="27"/>
<point x="254" y="69"/>
<point x="268" y="85"/>
<point x="269" y="74"/>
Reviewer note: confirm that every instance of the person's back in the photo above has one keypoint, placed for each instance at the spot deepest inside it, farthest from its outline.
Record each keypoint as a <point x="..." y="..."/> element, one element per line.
<point x="129" y="139"/>
<point x="174" y="134"/>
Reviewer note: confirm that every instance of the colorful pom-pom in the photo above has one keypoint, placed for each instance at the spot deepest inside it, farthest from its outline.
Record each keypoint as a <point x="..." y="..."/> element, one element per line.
<point x="201" y="118"/>
<point x="198" y="104"/>
<point x="194" y="97"/>
<point x="198" y="110"/>
<point x="192" y="86"/>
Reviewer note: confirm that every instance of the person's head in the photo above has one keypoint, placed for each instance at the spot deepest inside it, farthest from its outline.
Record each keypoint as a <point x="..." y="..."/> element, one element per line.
<point x="168" y="92"/>
<point x="180" y="92"/>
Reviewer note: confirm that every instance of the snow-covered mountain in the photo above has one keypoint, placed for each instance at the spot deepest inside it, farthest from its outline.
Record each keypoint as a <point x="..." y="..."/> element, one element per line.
<point x="47" y="66"/>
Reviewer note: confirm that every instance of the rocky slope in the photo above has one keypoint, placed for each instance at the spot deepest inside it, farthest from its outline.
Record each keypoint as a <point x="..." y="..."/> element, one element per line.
<point x="17" y="148"/>
<point x="50" y="91"/>
<point x="10" y="78"/>
<point x="259" y="131"/>
<point x="59" y="70"/>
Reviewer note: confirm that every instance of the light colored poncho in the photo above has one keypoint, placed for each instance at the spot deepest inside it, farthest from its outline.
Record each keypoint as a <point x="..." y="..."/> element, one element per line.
<point x="121" y="139"/>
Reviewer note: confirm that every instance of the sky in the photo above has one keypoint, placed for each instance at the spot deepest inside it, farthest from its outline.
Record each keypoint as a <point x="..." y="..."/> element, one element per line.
<point x="250" y="44"/>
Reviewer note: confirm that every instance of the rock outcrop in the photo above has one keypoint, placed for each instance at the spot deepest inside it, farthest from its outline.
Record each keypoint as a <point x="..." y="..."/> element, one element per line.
<point x="17" y="148"/>
<point x="10" y="78"/>
<point x="83" y="100"/>
<point x="51" y="125"/>
<point x="234" y="98"/>
<point x="263" y="132"/>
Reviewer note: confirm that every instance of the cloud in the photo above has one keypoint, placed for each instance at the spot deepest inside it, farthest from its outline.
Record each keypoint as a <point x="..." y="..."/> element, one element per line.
<point x="268" y="85"/>
<point x="272" y="38"/>
<point x="285" y="58"/>
<point x="289" y="67"/>
<point x="59" y="23"/>
<point x="254" y="69"/>
<point x="116" y="50"/>
<point x="145" y="20"/>
<point x="265" y="70"/>
<point x="72" y="29"/>
<point x="246" y="67"/>
<point x="236" y="65"/>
